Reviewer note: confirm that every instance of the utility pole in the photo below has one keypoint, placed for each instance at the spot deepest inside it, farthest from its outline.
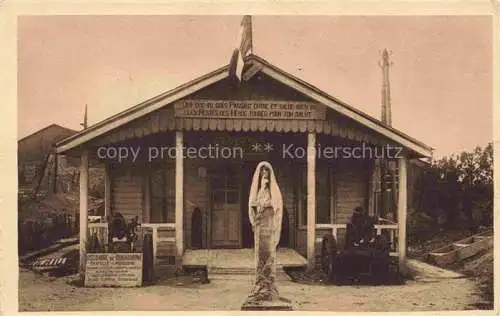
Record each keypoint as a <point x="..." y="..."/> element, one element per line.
<point x="386" y="89"/>
<point x="388" y="167"/>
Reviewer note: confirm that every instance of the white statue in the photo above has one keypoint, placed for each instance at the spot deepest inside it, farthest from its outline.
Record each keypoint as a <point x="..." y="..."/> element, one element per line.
<point x="265" y="213"/>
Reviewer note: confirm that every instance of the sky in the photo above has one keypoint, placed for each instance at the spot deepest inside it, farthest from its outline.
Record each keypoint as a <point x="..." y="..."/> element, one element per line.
<point x="441" y="77"/>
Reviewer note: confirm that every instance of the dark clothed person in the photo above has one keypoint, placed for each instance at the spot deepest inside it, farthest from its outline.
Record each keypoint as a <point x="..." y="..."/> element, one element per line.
<point x="360" y="242"/>
<point x="359" y="229"/>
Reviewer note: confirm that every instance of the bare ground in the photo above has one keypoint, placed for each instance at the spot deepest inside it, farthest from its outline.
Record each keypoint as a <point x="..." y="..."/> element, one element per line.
<point x="479" y="267"/>
<point x="41" y="293"/>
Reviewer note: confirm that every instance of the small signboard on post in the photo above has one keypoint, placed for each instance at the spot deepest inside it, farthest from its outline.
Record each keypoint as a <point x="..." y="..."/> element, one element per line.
<point x="113" y="269"/>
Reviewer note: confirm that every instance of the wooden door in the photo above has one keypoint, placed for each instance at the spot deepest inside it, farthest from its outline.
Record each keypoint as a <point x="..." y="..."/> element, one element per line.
<point x="226" y="207"/>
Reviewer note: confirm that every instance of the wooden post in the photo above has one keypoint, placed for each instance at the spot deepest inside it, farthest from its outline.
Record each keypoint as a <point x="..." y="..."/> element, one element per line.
<point x="155" y="246"/>
<point x="146" y="216"/>
<point x="332" y="197"/>
<point x="179" y="196"/>
<point x="84" y="195"/>
<point x="311" y="201"/>
<point x="402" y="210"/>
<point x="107" y="192"/>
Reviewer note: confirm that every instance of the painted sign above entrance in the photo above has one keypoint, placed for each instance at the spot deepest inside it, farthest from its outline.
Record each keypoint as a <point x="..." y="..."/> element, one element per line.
<point x="250" y="109"/>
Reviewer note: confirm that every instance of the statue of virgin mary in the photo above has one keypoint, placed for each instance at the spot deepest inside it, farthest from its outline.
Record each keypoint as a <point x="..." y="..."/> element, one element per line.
<point x="265" y="212"/>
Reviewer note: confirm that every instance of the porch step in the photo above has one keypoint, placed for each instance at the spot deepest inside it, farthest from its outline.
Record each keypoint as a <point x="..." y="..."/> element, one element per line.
<point x="162" y="272"/>
<point x="460" y="250"/>
<point x="221" y="270"/>
<point x="165" y="267"/>
<point x="238" y="263"/>
<point x="242" y="274"/>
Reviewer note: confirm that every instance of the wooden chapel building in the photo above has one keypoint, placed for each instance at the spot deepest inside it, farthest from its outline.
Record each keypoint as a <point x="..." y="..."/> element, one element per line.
<point x="223" y="128"/>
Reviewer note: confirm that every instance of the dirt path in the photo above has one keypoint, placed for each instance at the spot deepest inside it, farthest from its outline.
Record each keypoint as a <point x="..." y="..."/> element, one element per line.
<point x="38" y="293"/>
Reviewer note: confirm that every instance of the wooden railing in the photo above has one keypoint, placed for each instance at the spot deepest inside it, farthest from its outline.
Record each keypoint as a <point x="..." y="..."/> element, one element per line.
<point x="155" y="227"/>
<point x="101" y="229"/>
<point x="379" y="228"/>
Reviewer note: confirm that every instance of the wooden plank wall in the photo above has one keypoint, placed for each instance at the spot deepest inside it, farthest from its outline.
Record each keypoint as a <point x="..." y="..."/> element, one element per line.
<point x="162" y="194"/>
<point x="351" y="188"/>
<point x="127" y="193"/>
<point x="285" y="177"/>
<point x="350" y="185"/>
<point x="195" y="196"/>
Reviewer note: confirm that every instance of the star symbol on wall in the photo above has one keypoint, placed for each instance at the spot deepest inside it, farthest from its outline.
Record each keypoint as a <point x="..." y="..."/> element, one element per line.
<point x="256" y="147"/>
<point x="268" y="147"/>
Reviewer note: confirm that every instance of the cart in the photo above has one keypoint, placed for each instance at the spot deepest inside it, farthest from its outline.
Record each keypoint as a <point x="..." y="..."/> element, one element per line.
<point x="365" y="263"/>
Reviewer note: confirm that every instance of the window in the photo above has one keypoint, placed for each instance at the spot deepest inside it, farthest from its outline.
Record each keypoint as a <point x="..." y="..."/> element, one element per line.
<point x="388" y="168"/>
<point x="226" y="186"/>
<point x="387" y="180"/>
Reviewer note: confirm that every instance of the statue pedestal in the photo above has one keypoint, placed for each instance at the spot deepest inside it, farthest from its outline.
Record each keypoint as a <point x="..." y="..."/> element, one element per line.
<point x="282" y="304"/>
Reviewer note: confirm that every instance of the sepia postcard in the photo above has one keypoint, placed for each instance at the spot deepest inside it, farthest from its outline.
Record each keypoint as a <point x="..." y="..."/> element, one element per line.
<point x="254" y="162"/>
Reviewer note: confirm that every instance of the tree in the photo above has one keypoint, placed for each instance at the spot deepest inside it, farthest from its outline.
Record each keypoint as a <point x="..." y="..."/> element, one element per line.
<point x="461" y="182"/>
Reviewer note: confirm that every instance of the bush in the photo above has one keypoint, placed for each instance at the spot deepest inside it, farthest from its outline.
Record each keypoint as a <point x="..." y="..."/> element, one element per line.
<point x="420" y="226"/>
<point x="38" y="234"/>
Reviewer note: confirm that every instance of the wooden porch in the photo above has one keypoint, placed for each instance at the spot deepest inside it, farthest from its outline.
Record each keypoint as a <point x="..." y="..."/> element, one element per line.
<point x="237" y="259"/>
<point x="239" y="263"/>
<point x="232" y="259"/>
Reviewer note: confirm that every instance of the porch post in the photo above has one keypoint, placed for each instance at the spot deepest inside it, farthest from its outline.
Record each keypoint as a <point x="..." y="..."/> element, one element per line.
<point x="107" y="192"/>
<point x="145" y="218"/>
<point x="311" y="201"/>
<point x="402" y="210"/>
<point x="84" y="195"/>
<point x="179" y="196"/>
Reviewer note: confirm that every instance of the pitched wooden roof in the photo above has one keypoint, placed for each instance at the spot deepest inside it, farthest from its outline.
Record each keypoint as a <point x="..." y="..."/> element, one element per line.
<point x="35" y="146"/>
<point x="265" y="67"/>
<point x="62" y="129"/>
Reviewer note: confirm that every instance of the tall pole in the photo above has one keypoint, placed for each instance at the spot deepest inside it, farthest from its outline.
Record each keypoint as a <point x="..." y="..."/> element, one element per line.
<point x="84" y="194"/>
<point x="386" y="89"/>
<point x="389" y="168"/>
<point x="179" y="196"/>
<point x="402" y="213"/>
<point x="311" y="201"/>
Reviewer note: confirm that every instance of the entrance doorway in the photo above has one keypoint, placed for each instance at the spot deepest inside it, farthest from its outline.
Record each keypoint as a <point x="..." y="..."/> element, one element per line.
<point x="226" y="206"/>
<point x="229" y="192"/>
